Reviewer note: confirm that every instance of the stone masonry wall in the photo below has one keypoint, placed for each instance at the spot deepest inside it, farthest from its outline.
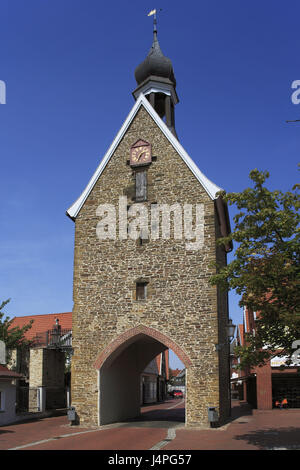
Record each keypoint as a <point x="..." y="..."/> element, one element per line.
<point x="181" y="304"/>
<point x="36" y="367"/>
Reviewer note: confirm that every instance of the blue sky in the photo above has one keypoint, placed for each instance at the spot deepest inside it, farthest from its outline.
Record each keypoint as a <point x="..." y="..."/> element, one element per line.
<point x="68" y="66"/>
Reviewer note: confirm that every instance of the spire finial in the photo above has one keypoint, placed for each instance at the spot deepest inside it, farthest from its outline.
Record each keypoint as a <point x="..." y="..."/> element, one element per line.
<point x="153" y="12"/>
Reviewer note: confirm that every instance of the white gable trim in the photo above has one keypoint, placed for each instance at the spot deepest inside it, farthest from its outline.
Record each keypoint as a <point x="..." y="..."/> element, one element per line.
<point x="209" y="187"/>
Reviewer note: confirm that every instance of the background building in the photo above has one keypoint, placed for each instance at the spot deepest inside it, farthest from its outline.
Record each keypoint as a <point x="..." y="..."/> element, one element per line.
<point x="263" y="386"/>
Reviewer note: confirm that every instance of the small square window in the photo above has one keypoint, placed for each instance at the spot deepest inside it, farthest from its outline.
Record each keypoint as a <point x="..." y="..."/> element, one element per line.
<point x="141" y="290"/>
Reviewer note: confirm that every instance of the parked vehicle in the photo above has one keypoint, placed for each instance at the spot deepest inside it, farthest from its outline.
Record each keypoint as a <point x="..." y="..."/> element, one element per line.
<point x="177" y="394"/>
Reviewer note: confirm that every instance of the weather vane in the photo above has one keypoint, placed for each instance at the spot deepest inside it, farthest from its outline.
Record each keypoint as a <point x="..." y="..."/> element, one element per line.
<point x="153" y="12"/>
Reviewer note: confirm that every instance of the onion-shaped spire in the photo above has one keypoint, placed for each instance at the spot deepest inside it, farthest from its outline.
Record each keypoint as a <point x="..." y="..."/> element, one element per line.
<point x="156" y="63"/>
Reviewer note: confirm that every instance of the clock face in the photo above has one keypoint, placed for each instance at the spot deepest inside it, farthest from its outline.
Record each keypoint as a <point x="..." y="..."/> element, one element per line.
<point x="140" y="155"/>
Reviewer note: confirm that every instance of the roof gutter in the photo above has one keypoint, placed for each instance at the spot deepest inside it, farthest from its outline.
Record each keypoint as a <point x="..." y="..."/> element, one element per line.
<point x="222" y="210"/>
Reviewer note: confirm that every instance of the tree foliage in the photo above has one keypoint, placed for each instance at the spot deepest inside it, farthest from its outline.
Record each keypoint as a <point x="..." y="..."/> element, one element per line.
<point x="265" y="269"/>
<point x="13" y="337"/>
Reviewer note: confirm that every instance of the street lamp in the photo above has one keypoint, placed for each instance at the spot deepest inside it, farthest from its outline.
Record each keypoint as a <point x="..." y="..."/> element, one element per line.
<point x="230" y="330"/>
<point x="230" y="335"/>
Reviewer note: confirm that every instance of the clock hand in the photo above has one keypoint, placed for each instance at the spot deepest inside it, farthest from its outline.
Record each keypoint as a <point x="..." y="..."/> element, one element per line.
<point x="140" y="155"/>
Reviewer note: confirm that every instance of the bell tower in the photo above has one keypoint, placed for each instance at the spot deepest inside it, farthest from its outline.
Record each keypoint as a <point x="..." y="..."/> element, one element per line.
<point x="156" y="80"/>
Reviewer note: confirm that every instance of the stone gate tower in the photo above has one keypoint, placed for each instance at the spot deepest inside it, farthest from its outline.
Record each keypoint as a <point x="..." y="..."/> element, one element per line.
<point x="146" y="227"/>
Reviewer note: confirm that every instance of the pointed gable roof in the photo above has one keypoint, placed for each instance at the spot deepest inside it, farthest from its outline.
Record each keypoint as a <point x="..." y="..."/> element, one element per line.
<point x="208" y="185"/>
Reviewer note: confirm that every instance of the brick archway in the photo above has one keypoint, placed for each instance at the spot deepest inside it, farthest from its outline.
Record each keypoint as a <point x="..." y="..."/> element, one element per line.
<point x="141" y="330"/>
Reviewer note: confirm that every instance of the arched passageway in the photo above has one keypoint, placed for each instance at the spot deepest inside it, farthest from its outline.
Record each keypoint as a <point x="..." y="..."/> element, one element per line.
<point x="120" y="367"/>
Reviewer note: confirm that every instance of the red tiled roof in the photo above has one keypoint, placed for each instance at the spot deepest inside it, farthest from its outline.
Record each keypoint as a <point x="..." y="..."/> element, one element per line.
<point x="175" y="372"/>
<point x="43" y="323"/>
<point x="5" y="372"/>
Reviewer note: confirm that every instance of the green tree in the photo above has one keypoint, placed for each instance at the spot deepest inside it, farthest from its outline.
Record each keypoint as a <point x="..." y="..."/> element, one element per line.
<point x="13" y="337"/>
<point x="265" y="270"/>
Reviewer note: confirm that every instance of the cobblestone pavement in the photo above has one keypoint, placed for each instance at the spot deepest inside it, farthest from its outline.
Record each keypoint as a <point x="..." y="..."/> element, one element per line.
<point x="161" y="427"/>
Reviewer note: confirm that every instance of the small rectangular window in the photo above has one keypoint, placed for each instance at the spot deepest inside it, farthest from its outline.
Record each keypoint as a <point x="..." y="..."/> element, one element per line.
<point x="141" y="186"/>
<point x="141" y="291"/>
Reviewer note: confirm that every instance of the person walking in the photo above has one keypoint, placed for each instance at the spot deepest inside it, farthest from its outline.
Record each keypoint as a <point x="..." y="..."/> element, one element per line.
<point x="284" y="403"/>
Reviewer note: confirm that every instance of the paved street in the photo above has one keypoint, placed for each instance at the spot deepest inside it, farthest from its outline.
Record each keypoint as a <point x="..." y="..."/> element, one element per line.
<point x="161" y="427"/>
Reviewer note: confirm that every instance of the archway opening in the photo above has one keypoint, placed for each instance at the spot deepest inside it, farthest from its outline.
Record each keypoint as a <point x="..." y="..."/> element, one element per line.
<point x="122" y="388"/>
